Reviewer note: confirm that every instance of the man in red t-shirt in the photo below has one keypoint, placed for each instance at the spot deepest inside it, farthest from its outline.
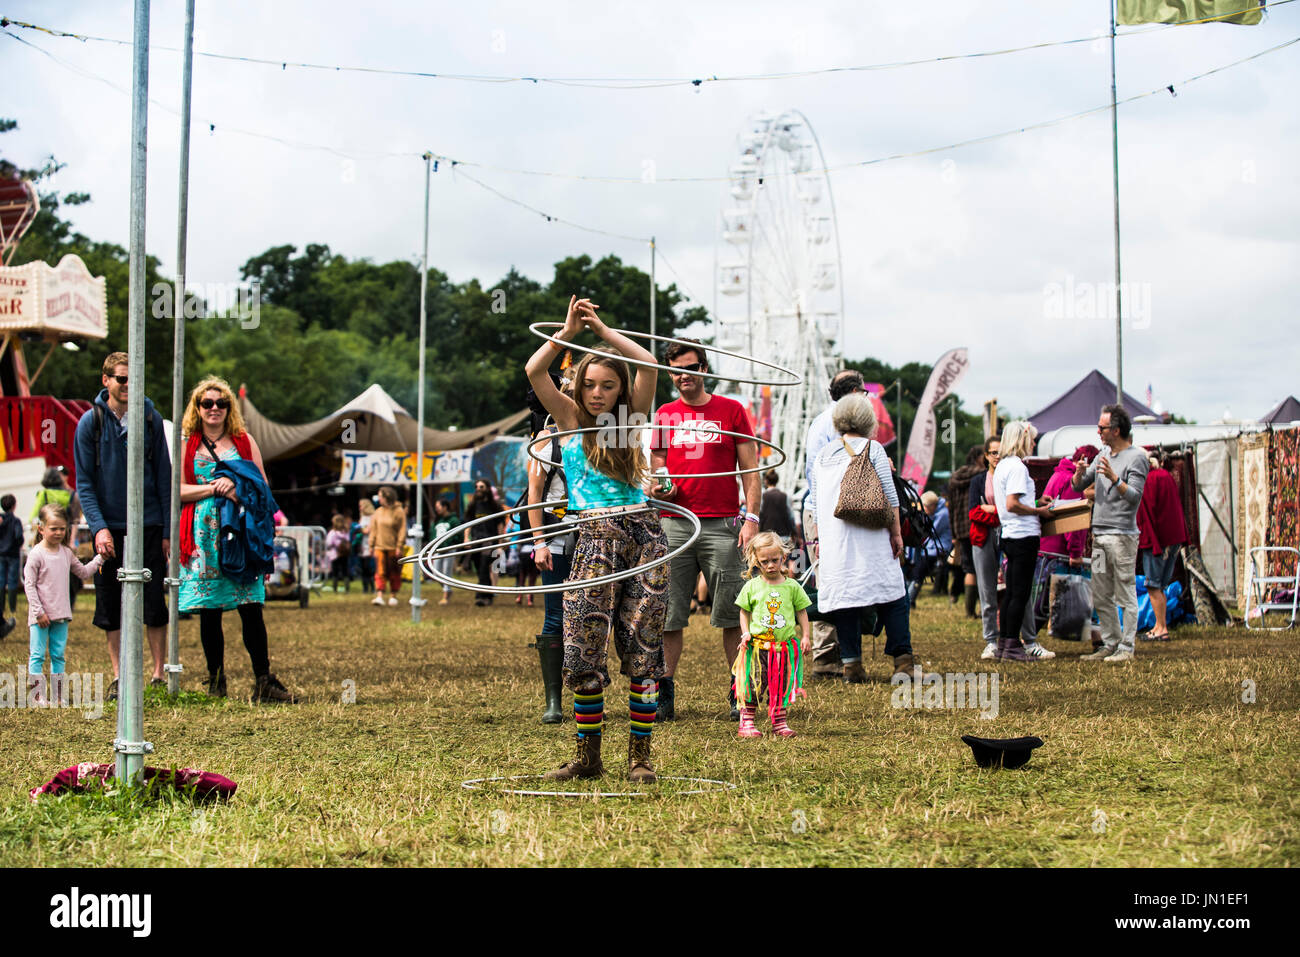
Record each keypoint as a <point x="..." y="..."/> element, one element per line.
<point x="691" y="441"/>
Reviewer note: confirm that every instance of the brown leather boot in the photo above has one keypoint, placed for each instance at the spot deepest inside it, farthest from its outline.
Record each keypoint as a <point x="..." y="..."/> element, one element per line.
<point x="908" y="665"/>
<point x="639" y="768"/>
<point x="585" y="764"/>
<point x="854" y="673"/>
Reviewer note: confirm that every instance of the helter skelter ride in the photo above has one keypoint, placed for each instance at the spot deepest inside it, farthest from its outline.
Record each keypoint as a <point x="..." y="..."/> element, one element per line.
<point x="779" y="290"/>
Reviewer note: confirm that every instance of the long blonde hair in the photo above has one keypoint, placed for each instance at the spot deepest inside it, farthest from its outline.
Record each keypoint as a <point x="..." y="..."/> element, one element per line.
<point x="191" y="422"/>
<point x="623" y="459"/>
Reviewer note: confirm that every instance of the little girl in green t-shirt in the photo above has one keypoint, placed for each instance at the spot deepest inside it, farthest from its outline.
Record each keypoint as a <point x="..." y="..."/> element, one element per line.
<point x="769" y="656"/>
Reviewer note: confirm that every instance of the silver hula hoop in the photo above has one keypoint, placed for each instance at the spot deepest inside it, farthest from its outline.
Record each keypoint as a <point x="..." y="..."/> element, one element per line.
<point x="795" y="378"/>
<point x="685" y="475"/>
<point x="476" y="784"/>
<point x="429" y="553"/>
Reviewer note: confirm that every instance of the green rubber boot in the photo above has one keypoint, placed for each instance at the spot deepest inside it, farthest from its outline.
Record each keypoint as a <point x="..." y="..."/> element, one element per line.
<point x="550" y="650"/>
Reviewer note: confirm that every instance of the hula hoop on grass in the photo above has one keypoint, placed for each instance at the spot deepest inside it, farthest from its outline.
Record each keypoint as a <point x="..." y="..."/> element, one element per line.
<point x="430" y="553"/>
<point x="681" y="425"/>
<point x="795" y="378"/>
<point x="476" y="784"/>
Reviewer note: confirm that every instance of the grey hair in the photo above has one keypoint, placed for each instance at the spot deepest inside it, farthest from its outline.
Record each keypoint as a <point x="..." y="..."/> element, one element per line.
<point x="854" y="413"/>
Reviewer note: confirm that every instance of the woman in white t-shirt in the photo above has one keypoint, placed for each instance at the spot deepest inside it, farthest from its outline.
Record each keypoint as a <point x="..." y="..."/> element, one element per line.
<point x="1013" y="493"/>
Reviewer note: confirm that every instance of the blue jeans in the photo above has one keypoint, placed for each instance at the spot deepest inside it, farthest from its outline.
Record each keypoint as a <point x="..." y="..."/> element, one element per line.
<point x="558" y="572"/>
<point x="893" y="616"/>
<point x="9" y="573"/>
<point x="55" y="638"/>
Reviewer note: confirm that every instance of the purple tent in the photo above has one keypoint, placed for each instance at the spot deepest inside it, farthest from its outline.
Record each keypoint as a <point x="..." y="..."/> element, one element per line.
<point x="1288" y="410"/>
<point x="1082" y="403"/>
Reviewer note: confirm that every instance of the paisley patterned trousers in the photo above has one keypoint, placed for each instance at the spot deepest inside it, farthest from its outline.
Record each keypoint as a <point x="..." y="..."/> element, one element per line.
<point x="633" y="608"/>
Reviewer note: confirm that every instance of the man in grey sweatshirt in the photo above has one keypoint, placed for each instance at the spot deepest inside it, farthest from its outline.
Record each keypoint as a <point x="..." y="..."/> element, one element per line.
<point x="1120" y="473"/>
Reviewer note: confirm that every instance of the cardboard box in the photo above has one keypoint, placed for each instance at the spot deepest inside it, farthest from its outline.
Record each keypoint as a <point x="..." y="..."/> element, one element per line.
<point x="1072" y="516"/>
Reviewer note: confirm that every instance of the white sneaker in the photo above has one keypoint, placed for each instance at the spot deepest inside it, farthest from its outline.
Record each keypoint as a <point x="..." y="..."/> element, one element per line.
<point x="1036" y="650"/>
<point x="1120" y="656"/>
<point x="990" y="651"/>
<point x="378" y="600"/>
<point x="392" y="603"/>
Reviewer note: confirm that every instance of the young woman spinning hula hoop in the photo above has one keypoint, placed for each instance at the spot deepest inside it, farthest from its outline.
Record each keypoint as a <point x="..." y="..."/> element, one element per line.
<point x="605" y="471"/>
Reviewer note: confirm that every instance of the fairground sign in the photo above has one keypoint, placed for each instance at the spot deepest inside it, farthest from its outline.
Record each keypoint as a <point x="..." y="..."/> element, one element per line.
<point x="378" y="468"/>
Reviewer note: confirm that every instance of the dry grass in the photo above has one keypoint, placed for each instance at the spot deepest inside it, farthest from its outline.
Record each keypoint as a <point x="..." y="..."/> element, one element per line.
<point x="1184" y="772"/>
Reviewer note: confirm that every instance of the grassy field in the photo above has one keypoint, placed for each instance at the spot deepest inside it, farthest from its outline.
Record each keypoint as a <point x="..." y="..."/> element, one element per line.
<point x="1158" y="762"/>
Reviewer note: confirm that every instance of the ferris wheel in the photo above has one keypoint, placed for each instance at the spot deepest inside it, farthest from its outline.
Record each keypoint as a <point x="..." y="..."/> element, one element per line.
<point x="779" y="286"/>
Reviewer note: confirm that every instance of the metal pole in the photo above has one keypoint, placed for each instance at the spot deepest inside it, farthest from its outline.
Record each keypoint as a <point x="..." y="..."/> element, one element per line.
<point x="129" y="744"/>
<point x="652" y="304"/>
<point x="1114" y="149"/>
<point x="952" y="448"/>
<point x="173" y="665"/>
<point x="898" y="426"/>
<point x="418" y="531"/>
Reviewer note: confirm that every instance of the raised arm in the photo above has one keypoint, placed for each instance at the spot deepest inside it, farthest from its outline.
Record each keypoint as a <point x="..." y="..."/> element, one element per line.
<point x="643" y="379"/>
<point x="560" y="406"/>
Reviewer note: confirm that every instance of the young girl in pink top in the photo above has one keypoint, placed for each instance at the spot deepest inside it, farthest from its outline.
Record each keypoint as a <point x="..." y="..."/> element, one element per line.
<point x="49" y="608"/>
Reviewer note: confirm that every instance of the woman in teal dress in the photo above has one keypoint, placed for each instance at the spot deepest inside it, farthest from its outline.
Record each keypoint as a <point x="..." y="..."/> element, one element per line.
<point x="212" y="423"/>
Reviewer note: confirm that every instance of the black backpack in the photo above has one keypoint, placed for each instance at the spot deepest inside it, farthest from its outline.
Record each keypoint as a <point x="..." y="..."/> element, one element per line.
<point x="917" y="527"/>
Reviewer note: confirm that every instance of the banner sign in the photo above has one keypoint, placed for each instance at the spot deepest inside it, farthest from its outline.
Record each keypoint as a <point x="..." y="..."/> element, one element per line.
<point x="398" y="468"/>
<point x="920" y="444"/>
<point x="64" y="299"/>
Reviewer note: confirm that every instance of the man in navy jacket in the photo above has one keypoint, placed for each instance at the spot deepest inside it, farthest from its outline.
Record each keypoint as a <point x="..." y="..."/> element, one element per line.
<point x="100" y="450"/>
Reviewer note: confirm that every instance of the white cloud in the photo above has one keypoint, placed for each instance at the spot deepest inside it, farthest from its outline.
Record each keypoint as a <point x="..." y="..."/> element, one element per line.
<point x="934" y="255"/>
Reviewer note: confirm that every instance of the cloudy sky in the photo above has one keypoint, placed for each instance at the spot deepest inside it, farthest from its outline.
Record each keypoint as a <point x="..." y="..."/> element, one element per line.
<point x="972" y="247"/>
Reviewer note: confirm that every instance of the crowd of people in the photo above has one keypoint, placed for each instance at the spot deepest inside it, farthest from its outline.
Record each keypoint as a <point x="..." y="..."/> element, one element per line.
<point x="861" y="576"/>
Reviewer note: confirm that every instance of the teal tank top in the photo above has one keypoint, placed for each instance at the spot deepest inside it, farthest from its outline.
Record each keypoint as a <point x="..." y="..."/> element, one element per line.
<point x="589" y="488"/>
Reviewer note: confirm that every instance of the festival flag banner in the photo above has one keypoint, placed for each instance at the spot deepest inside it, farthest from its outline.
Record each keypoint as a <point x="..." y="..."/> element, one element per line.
<point x="1241" y="12"/>
<point x="920" y="444"/>
<point x="378" y="468"/>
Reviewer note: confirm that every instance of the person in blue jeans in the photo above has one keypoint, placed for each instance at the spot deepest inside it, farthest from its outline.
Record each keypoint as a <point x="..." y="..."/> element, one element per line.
<point x="11" y="548"/>
<point x="553" y="555"/>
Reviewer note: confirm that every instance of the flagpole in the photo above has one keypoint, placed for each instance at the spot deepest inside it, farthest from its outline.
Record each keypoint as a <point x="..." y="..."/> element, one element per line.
<point x="1114" y="150"/>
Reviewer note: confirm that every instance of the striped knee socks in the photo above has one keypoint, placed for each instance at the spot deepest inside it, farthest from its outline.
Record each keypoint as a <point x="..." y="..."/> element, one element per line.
<point x="589" y="713"/>
<point x="643" y="702"/>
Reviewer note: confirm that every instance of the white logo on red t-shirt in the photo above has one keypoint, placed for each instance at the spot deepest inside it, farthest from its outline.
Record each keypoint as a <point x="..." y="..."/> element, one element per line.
<point x="698" y="432"/>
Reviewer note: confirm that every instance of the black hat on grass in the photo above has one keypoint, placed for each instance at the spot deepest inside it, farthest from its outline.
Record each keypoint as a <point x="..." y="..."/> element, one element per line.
<point x="1002" y="752"/>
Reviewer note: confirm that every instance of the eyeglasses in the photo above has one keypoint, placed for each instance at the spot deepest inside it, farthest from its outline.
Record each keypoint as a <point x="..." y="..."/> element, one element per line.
<point x="214" y="403"/>
<point x="1104" y="428"/>
<point x="121" y="379"/>
<point x="683" y="370"/>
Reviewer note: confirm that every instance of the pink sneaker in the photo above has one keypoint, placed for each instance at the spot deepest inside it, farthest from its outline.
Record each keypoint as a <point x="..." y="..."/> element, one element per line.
<point x="778" y="724"/>
<point x="747" y="727"/>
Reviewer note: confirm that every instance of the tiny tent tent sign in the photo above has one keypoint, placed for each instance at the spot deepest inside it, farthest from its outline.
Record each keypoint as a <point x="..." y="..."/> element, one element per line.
<point x="373" y="426"/>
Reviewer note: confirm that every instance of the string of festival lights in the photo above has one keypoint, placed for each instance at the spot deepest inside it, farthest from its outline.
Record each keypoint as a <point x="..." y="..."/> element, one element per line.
<point x="634" y="83"/>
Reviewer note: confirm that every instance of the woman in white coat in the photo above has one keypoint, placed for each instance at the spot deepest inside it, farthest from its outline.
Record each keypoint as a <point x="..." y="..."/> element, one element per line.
<point x="858" y="571"/>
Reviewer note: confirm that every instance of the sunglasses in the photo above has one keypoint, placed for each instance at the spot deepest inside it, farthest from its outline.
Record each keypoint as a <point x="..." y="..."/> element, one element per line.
<point x="121" y="379"/>
<point x="683" y="370"/>
<point x="1104" y="428"/>
<point x="214" y="403"/>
